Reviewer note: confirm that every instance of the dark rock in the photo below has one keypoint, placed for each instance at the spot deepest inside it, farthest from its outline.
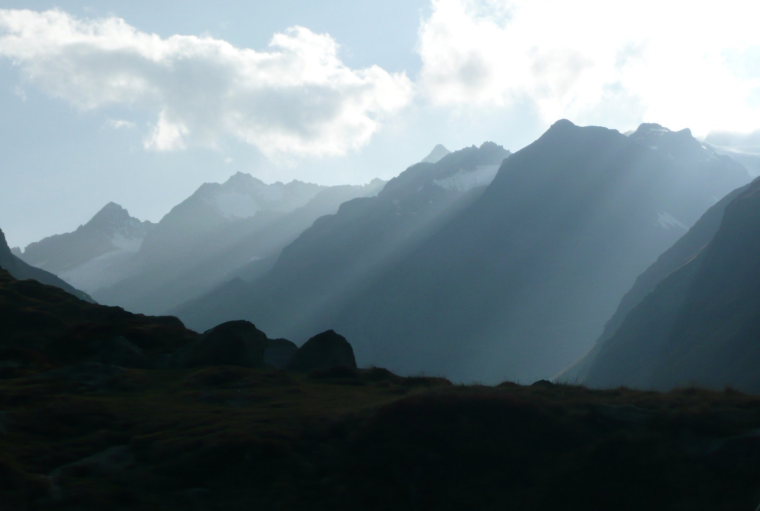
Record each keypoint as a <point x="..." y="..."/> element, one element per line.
<point x="279" y="353"/>
<point x="324" y="351"/>
<point x="233" y="343"/>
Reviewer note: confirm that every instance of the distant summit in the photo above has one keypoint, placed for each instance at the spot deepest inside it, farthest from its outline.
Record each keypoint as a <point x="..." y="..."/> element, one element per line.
<point x="111" y="214"/>
<point x="111" y="230"/>
<point x="436" y="154"/>
<point x="221" y="231"/>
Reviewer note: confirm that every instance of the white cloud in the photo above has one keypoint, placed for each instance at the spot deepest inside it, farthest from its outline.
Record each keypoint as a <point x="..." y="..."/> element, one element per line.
<point x="681" y="63"/>
<point x="295" y="98"/>
<point x="118" y="124"/>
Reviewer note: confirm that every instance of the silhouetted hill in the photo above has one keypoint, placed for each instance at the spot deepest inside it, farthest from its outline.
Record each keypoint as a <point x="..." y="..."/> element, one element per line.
<point x="21" y="270"/>
<point x="699" y="324"/>
<point x="44" y="325"/>
<point x="512" y="282"/>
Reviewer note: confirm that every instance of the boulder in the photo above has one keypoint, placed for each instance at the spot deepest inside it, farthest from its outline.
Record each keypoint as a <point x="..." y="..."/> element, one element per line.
<point x="279" y="353"/>
<point x="324" y="351"/>
<point x="232" y="343"/>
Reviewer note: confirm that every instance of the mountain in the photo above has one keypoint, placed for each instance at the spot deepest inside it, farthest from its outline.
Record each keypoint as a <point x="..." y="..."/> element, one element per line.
<point x="514" y="282"/>
<point x="21" y="270"/>
<point x="436" y="154"/>
<point x="744" y="148"/>
<point x="683" y="251"/>
<point x="330" y="262"/>
<point x="93" y="255"/>
<point x="221" y="231"/>
<point x="699" y="324"/>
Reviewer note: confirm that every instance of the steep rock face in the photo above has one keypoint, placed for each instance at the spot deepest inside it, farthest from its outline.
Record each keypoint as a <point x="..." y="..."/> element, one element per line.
<point x="21" y="270"/>
<point x="700" y="324"/>
<point x="513" y="281"/>
<point x="327" y="350"/>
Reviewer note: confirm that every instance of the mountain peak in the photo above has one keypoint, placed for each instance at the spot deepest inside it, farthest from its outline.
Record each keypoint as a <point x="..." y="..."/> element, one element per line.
<point x="242" y="179"/>
<point x="650" y="129"/>
<point x="561" y="124"/>
<point x="656" y="136"/>
<point x="109" y="214"/>
<point x="438" y="152"/>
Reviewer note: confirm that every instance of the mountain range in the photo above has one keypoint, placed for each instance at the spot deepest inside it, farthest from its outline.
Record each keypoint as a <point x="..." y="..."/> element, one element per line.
<point x="218" y="232"/>
<point x="486" y="267"/>
<point x="477" y="264"/>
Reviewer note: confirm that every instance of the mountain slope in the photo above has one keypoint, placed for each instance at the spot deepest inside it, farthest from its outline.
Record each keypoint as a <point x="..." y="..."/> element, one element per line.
<point x="700" y="323"/>
<point x="92" y="256"/>
<point x="218" y="233"/>
<point x="21" y="270"/>
<point x="681" y="253"/>
<point x="329" y="264"/>
<point x="513" y="283"/>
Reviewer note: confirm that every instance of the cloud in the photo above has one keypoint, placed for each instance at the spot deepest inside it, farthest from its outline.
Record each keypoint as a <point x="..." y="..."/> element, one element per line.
<point x="677" y="62"/>
<point x="295" y="98"/>
<point x="118" y="124"/>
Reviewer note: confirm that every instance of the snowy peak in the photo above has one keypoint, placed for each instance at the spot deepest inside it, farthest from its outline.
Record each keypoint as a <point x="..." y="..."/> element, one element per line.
<point x="243" y="196"/>
<point x="436" y="154"/>
<point x="656" y="136"/>
<point x="458" y="171"/>
<point x="111" y="229"/>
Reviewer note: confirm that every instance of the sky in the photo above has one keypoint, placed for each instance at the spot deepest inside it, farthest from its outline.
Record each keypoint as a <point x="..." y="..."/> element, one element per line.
<point x="141" y="102"/>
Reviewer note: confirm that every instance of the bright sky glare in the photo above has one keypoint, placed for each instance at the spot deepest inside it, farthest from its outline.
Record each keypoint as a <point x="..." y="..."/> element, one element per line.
<point x="141" y="102"/>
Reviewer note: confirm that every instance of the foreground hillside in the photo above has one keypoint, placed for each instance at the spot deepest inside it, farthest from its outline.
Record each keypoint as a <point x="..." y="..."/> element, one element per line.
<point x="103" y="409"/>
<point x="227" y="438"/>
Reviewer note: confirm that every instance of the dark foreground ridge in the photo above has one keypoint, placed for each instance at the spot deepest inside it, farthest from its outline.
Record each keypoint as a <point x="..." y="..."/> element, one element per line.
<point x="228" y="438"/>
<point x="171" y="423"/>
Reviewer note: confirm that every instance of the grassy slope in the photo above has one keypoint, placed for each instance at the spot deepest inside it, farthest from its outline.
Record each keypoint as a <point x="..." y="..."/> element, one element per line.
<point x="234" y="438"/>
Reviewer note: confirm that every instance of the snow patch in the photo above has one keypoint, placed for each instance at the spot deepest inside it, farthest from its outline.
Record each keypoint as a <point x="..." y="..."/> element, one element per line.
<point x="465" y="180"/>
<point x="668" y="221"/>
